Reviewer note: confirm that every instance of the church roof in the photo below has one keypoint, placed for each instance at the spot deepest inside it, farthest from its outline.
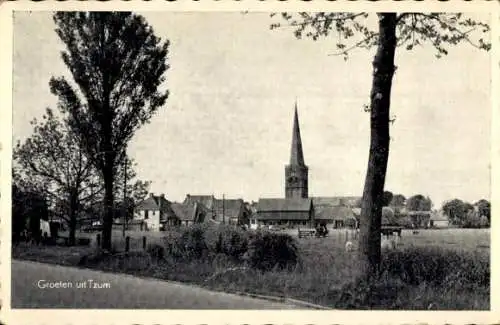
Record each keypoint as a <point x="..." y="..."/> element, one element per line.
<point x="296" y="155"/>
<point x="334" y="200"/>
<point x="291" y="204"/>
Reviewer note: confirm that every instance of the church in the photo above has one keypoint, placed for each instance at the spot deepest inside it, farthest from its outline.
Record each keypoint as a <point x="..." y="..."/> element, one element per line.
<point x="297" y="208"/>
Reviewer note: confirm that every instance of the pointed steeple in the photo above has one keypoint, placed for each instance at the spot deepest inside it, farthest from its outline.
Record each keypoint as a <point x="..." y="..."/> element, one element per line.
<point x="296" y="155"/>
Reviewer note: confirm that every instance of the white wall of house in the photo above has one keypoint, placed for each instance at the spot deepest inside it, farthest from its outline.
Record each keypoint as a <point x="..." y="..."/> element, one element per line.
<point x="153" y="220"/>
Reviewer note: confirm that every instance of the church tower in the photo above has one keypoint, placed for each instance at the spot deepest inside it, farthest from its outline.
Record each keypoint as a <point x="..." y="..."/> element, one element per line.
<point x="296" y="173"/>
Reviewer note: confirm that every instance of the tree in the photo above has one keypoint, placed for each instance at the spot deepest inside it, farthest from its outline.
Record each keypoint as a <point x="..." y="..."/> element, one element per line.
<point x="418" y="203"/>
<point x="118" y="66"/>
<point x="28" y="207"/>
<point x="53" y="156"/>
<point x="392" y="30"/>
<point x="398" y="201"/>
<point x="484" y="208"/>
<point x="386" y="198"/>
<point x="456" y="210"/>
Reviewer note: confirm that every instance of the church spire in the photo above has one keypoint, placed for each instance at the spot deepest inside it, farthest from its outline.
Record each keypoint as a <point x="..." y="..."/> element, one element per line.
<point x="296" y="155"/>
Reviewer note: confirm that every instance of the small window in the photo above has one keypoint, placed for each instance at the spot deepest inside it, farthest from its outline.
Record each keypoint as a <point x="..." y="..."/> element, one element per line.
<point x="146" y="214"/>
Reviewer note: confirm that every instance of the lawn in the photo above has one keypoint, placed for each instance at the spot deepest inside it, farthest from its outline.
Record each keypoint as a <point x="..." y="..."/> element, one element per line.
<point x="434" y="269"/>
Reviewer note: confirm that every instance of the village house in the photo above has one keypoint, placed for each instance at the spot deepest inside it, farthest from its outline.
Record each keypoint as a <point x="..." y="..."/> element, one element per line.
<point x="439" y="220"/>
<point x="154" y="211"/>
<point x="189" y="213"/>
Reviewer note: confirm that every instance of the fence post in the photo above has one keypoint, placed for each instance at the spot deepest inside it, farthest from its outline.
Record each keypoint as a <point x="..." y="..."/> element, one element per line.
<point x="127" y="243"/>
<point x="98" y="240"/>
<point x="144" y="242"/>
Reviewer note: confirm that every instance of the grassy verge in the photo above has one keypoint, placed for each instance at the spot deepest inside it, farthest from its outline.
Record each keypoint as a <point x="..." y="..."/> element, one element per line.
<point x="413" y="277"/>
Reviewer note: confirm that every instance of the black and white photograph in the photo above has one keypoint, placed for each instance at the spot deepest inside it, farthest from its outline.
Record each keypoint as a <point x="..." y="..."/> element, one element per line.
<point x="244" y="160"/>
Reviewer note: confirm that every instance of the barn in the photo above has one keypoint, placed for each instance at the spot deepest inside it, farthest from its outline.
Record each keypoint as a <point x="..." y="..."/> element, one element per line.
<point x="288" y="212"/>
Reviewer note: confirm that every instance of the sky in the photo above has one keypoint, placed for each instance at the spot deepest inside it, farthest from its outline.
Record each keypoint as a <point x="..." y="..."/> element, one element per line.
<point x="226" y="127"/>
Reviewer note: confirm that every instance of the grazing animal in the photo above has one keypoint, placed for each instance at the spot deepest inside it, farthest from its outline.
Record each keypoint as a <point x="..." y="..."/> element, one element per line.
<point x="349" y="247"/>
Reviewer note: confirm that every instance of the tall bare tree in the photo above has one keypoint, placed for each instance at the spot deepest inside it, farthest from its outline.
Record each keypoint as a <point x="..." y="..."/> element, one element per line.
<point x="392" y="30"/>
<point x="118" y="66"/>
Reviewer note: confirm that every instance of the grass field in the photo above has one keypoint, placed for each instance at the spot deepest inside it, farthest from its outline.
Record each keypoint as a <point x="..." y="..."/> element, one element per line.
<point x="455" y="264"/>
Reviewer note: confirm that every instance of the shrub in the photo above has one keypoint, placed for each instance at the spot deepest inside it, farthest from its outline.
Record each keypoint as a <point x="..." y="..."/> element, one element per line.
<point x="231" y="241"/>
<point x="271" y="250"/>
<point x="193" y="242"/>
<point x="156" y="251"/>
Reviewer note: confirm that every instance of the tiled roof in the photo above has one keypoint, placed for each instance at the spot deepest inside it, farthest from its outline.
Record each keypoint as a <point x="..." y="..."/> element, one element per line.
<point x="334" y="200"/>
<point x="231" y="208"/>
<point x="150" y="203"/>
<point x="334" y="213"/>
<point x="185" y="212"/>
<point x="284" y="204"/>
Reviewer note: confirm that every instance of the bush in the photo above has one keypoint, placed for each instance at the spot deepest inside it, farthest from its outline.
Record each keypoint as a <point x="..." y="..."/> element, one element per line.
<point x="193" y="243"/>
<point x="230" y="240"/>
<point x="157" y="252"/>
<point x="271" y="250"/>
<point x="173" y="244"/>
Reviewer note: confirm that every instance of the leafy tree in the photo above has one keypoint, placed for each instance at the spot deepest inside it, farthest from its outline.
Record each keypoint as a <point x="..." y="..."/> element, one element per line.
<point x="391" y="31"/>
<point x="457" y="211"/>
<point x="484" y="208"/>
<point x="118" y="66"/>
<point x="419" y="203"/>
<point x="387" y="198"/>
<point x="28" y="207"/>
<point x="53" y="156"/>
<point x="398" y="201"/>
<point x="388" y="216"/>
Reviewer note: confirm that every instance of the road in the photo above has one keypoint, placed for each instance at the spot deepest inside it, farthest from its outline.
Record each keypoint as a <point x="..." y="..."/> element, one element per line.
<point x="31" y="281"/>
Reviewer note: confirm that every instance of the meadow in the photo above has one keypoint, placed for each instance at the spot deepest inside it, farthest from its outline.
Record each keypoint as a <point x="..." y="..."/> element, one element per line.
<point x="445" y="269"/>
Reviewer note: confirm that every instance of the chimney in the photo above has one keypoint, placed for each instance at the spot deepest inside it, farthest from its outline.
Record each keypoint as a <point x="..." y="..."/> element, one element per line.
<point x="151" y="195"/>
<point x="162" y="195"/>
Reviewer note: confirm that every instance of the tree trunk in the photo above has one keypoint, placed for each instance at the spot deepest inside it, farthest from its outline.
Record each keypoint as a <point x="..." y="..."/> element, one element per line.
<point x="371" y="208"/>
<point x="108" y="208"/>
<point x="73" y="207"/>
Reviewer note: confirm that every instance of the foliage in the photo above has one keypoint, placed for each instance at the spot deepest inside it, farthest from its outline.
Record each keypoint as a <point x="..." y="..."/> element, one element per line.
<point x="193" y="241"/>
<point x="118" y="66"/>
<point x="440" y="30"/>
<point x="228" y="240"/>
<point x="418" y="202"/>
<point x="398" y="201"/>
<point x="156" y="251"/>
<point x="387" y="198"/>
<point x="28" y="207"/>
<point x="267" y="251"/>
<point x="484" y="208"/>
<point x="53" y="156"/>
<point x="457" y="210"/>
<point x="388" y="216"/>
